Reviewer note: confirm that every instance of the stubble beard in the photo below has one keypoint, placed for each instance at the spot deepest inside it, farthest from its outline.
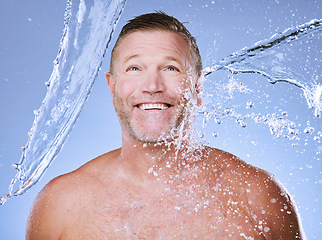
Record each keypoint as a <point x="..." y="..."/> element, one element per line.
<point x="143" y="135"/>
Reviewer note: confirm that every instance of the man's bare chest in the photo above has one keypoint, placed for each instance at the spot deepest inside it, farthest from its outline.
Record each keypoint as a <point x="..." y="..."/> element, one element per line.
<point x="162" y="219"/>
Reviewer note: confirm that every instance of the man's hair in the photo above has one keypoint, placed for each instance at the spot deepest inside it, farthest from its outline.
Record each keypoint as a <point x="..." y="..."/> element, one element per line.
<point x="160" y="21"/>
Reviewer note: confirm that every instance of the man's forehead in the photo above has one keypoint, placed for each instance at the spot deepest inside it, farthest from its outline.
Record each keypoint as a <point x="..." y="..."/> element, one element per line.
<point x="152" y="32"/>
<point x="169" y="45"/>
<point x="167" y="37"/>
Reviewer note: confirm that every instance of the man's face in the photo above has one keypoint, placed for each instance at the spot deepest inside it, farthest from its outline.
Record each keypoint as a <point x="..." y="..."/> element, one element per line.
<point x="150" y="82"/>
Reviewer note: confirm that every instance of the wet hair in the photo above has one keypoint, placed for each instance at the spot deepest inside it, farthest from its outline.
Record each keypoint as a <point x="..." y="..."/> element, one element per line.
<point x="159" y="21"/>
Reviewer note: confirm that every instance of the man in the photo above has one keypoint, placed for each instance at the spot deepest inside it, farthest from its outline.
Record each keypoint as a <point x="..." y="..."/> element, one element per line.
<point x="161" y="184"/>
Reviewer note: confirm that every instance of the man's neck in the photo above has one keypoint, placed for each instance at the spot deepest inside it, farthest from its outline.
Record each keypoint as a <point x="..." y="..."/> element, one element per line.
<point x="146" y="162"/>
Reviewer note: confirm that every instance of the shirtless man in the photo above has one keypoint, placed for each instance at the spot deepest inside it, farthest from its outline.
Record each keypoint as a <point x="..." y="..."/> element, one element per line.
<point x="161" y="184"/>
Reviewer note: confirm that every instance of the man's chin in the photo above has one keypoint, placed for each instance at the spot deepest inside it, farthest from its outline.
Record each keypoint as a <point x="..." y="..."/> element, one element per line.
<point x="156" y="138"/>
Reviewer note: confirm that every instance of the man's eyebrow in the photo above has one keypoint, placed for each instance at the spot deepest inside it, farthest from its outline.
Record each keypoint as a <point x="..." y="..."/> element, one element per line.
<point x="168" y="58"/>
<point x="128" y="58"/>
<point x="174" y="59"/>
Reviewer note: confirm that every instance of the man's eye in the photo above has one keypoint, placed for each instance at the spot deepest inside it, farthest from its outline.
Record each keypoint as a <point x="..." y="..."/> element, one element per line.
<point x="171" y="68"/>
<point x="133" y="69"/>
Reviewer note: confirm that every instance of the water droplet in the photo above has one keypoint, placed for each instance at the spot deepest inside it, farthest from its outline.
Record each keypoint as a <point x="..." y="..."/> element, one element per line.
<point x="227" y="111"/>
<point x="249" y="104"/>
<point x="200" y="134"/>
<point x="217" y="120"/>
<point x="204" y="123"/>
<point x="56" y="61"/>
<point x="241" y="122"/>
<point x="16" y="166"/>
<point x="291" y="131"/>
<point x="308" y="129"/>
<point x="36" y="112"/>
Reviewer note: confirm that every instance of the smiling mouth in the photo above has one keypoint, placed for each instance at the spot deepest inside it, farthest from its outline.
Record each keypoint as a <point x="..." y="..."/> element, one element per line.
<point x="153" y="106"/>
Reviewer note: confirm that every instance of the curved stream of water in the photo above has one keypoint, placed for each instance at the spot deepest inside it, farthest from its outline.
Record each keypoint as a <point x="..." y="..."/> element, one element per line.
<point x="87" y="33"/>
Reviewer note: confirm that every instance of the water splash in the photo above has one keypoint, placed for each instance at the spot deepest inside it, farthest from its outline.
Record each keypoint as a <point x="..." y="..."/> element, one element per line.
<point x="293" y="57"/>
<point x="269" y="59"/>
<point x="81" y="52"/>
<point x="87" y="33"/>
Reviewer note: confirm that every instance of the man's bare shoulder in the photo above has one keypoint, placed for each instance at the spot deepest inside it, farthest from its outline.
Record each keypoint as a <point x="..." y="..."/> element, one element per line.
<point x="268" y="201"/>
<point x="61" y="199"/>
<point x="51" y="204"/>
<point x="230" y="166"/>
<point x="234" y="168"/>
<point x="90" y="174"/>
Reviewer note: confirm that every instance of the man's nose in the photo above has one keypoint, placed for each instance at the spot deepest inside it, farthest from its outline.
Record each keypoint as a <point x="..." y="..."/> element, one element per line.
<point x="153" y="82"/>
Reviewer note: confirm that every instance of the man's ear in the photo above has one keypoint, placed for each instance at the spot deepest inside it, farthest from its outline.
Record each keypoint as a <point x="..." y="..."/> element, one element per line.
<point x="111" y="83"/>
<point x="199" y="90"/>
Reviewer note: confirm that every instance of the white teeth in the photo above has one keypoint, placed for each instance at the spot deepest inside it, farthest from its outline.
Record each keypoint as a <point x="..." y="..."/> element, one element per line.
<point x="153" y="106"/>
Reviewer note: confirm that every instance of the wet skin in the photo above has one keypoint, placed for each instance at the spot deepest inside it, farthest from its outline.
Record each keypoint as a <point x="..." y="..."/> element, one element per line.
<point x="155" y="191"/>
<point x="220" y="198"/>
<point x="150" y="75"/>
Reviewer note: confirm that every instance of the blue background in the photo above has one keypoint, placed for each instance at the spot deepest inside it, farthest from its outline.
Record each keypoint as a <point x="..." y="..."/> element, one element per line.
<point x="30" y="35"/>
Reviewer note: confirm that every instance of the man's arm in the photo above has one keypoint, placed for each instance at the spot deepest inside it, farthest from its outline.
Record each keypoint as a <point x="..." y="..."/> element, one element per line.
<point x="274" y="209"/>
